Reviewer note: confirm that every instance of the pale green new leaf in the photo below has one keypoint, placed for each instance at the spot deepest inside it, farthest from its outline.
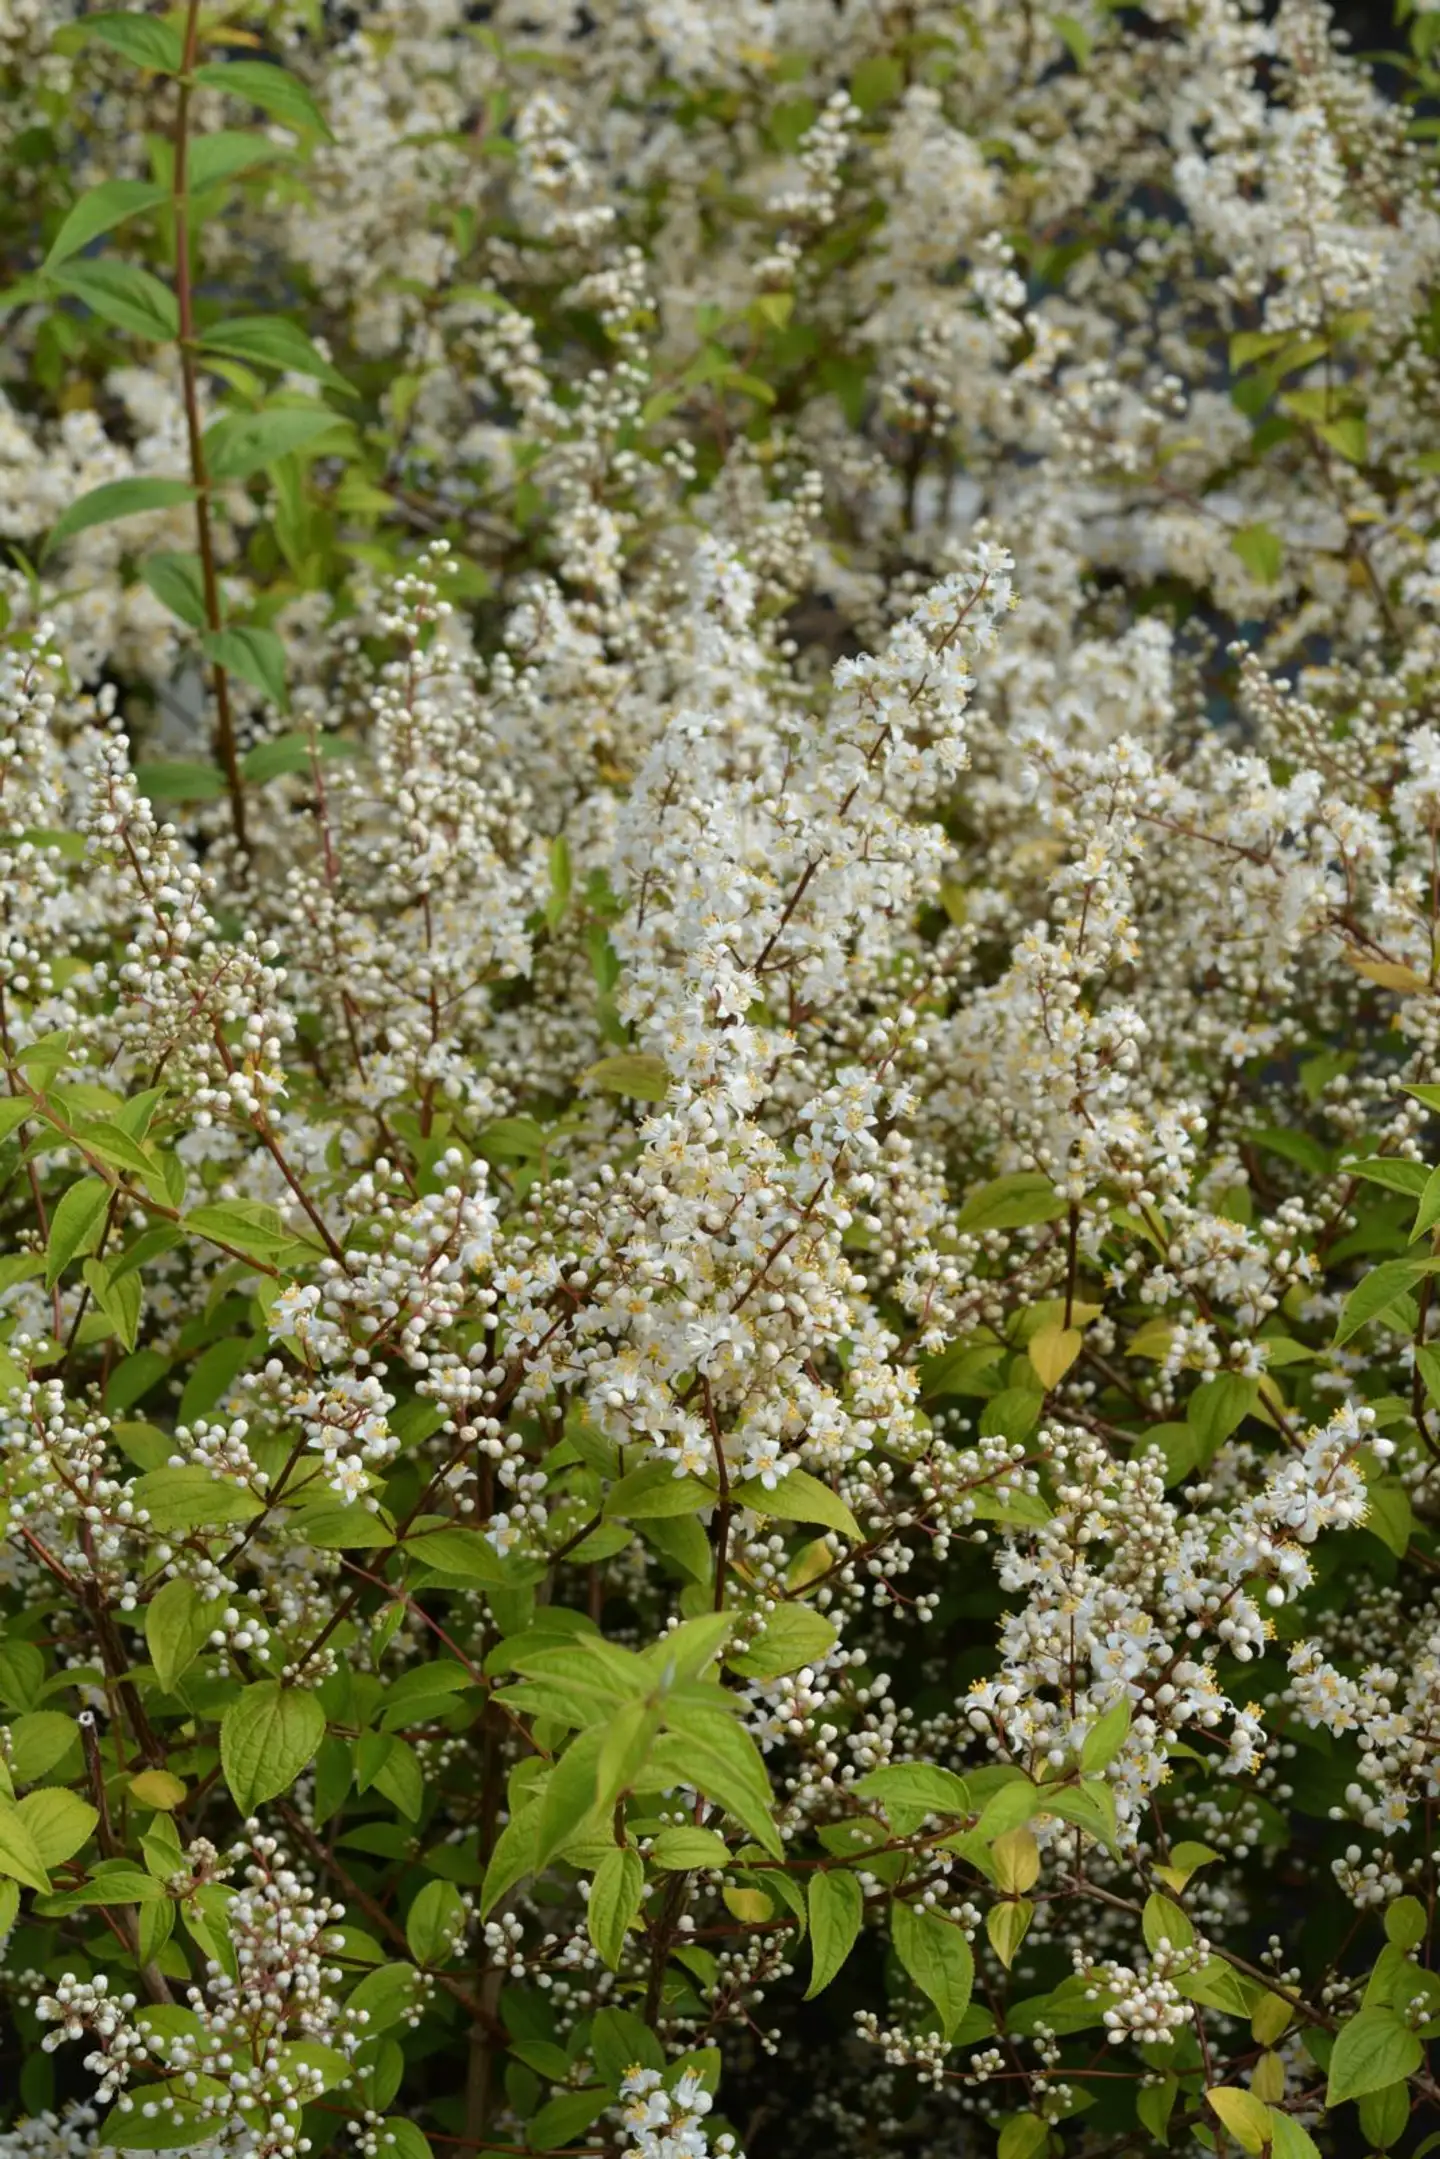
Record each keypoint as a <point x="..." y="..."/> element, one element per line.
<point x="60" y="1822"/>
<point x="19" y="1855"/>
<point x="1372" y="2050"/>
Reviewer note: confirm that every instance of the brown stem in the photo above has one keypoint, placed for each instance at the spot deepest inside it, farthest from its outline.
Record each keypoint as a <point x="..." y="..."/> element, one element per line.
<point x="225" y="749"/>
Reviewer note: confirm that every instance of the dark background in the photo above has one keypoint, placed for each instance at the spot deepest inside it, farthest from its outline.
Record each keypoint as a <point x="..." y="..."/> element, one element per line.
<point x="1371" y="24"/>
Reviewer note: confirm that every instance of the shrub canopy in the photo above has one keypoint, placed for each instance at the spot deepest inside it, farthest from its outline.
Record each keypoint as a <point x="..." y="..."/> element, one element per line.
<point x="720" y="1009"/>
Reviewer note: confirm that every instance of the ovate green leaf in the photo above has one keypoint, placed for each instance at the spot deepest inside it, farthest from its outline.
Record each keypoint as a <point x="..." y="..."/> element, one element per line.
<point x="835" y="1905"/>
<point x="937" y="1957"/>
<point x="615" y="1895"/>
<point x="116" y="499"/>
<point x="267" y="1736"/>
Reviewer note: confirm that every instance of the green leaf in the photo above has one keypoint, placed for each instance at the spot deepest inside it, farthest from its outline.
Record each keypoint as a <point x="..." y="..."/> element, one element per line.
<point x="631" y="1072"/>
<point x="245" y="443"/>
<point x="110" y="1882"/>
<point x="619" y="2040"/>
<point x="386" y="1995"/>
<point x="157" y="1788"/>
<point x="178" y="1623"/>
<point x="46" y="1056"/>
<point x="720" y="1760"/>
<point x="680" y="1850"/>
<point x="22" y="1674"/>
<point x="625" y="1751"/>
<point x="1372" y="2050"/>
<point x="179" y="782"/>
<point x="75" y="1225"/>
<point x="1377" y="1292"/>
<point x="99" y="210"/>
<point x="877" y="81"/>
<point x="1015" y="1803"/>
<point x="1246" y="2117"/>
<point x="1427" y="1213"/>
<point x="274" y="89"/>
<point x="796" y="1634"/>
<point x="562" y="2118"/>
<point x="1405" y="1923"/>
<point x="1090" y="1806"/>
<point x="341" y="1525"/>
<point x="561" y="881"/>
<point x="654" y="1491"/>
<point x="614" y="1900"/>
<point x="292" y="753"/>
<point x="1219" y="1407"/>
<point x="19" y="1855"/>
<point x="1385" y="2116"/>
<point x="1219" y="1987"/>
<point x="1154" y="2104"/>
<point x="177" y="1500"/>
<point x="116" y="499"/>
<point x="212" y="1375"/>
<point x="1292" y="2140"/>
<point x="38" y="1740"/>
<point x="123" y="293"/>
<point x="1163" y="1921"/>
<point x="267" y="1736"/>
<point x="1395" y="1175"/>
<point x="14" y="1109"/>
<point x="464" y="1552"/>
<point x="273" y="341"/>
<point x="570" y="1796"/>
<point x="1388" y="1514"/>
<point x="400" y="2139"/>
<point x="1105" y="1737"/>
<point x="910" y="1791"/>
<point x="1022" y="2136"/>
<point x="178" y="583"/>
<point x="110" y="1144"/>
<point x="256" y="656"/>
<point x="1260" y="550"/>
<point x="59" y="1823"/>
<point x="219" y="157"/>
<point x="937" y="1957"/>
<point x="1007" y="1925"/>
<point x="1186" y="1858"/>
<point x="435" y="1923"/>
<point x="118" y="1298"/>
<point x="401" y="1779"/>
<point x="1247" y="345"/>
<point x="835" y="1907"/>
<point x="799" y="1497"/>
<point x="247" y="1226"/>
<point x="512" y="1859"/>
<point x="1347" y="436"/>
<point x="1012" y="1202"/>
<point x="184" y="2125"/>
<point x="145" y="39"/>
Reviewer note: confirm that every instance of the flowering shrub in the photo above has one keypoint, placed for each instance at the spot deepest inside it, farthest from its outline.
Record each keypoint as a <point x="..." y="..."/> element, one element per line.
<point x="720" y="1003"/>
